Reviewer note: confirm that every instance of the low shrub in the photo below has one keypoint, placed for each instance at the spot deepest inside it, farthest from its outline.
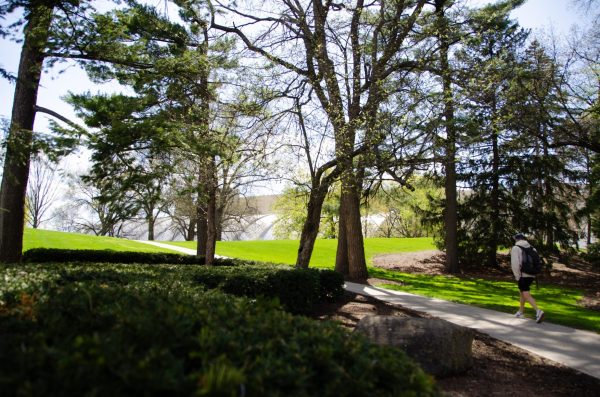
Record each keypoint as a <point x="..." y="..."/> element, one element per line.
<point x="331" y="285"/>
<point x="44" y="255"/>
<point x="163" y="336"/>
<point x="296" y="289"/>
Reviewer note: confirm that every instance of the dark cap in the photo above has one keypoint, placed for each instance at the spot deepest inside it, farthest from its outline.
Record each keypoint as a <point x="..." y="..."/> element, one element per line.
<point x="519" y="236"/>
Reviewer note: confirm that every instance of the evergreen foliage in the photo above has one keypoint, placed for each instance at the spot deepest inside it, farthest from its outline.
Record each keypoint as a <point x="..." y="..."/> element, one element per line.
<point x="511" y="179"/>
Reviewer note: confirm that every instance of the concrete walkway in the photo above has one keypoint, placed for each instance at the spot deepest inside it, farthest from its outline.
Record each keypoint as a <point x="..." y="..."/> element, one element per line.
<point x="574" y="348"/>
<point x="182" y="250"/>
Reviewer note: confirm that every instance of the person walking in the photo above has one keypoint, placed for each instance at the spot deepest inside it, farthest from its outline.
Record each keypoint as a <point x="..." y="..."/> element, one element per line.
<point x="524" y="280"/>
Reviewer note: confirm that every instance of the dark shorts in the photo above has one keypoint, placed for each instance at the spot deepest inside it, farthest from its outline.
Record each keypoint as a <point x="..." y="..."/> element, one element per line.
<point x="525" y="283"/>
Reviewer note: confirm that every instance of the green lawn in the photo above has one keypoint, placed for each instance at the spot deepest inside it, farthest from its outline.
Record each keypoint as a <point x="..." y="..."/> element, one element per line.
<point x="285" y="251"/>
<point x="561" y="305"/>
<point x="37" y="238"/>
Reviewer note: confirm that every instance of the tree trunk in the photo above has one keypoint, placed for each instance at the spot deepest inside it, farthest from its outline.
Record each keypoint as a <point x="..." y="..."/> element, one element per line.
<point x="495" y="197"/>
<point x="219" y="223"/>
<point x="211" y="219"/>
<point x="451" y="204"/>
<point x="191" y="230"/>
<point x="451" y="219"/>
<point x="350" y="255"/>
<point x="207" y="192"/>
<point x="310" y="229"/>
<point x="357" y="264"/>
<point x="18" y="150"/>
<point x="546" y="185"/>
<point x="588" y="237"/>
<point x="151" y="222"/>
<point x="211" y="235"/>
<point x="201" y="228"/>
<point x="341" y="256"/>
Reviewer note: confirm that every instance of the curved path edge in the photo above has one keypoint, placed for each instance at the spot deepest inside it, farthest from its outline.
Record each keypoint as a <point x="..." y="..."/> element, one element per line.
<point x="182" y="250"/>
<point x="574" y="348"/>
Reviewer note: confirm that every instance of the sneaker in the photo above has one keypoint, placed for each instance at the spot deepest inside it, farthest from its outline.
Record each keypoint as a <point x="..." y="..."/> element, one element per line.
<point x="539" y="316"/>
<point x="519" y="314"/>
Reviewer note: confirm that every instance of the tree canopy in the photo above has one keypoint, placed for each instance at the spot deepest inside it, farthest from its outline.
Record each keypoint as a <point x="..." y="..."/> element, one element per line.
<point x="369" y="97"/>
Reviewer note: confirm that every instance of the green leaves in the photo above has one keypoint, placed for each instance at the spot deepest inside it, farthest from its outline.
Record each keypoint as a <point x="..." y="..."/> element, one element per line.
<point x="132" y="330"/>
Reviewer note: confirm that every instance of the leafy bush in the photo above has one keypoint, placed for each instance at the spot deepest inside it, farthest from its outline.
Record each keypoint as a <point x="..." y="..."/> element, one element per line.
<point x="331" y="285"/>
<point x="44" y="255"/>
<point x="146" y="330"/>
<point x="297" y="289"/>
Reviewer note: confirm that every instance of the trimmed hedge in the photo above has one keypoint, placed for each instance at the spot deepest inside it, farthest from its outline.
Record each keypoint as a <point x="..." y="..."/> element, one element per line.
<point x="45" y="255"/>
<point x="331" y="285"/>
<point x="140" y="330"/>
<point x="296" y="289"/>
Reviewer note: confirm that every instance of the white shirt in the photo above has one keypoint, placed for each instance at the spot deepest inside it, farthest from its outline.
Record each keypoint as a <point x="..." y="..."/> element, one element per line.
<point x="516" y="259"/>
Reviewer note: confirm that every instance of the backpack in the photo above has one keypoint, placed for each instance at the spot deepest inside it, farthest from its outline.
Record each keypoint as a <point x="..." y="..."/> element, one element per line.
<point x="531" y="264"/>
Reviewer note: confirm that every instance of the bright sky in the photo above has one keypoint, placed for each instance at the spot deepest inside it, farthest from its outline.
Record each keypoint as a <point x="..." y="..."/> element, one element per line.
<point x="538" y="15"/>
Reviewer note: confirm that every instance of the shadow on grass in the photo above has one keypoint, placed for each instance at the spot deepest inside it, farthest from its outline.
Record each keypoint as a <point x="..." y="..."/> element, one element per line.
<point x="560" y="304"/>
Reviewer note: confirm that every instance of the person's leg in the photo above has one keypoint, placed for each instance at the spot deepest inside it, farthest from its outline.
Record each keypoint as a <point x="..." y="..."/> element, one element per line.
<point x="526" y="296"/>
<point x="521" y="302"/>
<point x="523" y="286"/>
<point x="539" y="314"/>
<point x="519" y="313"/>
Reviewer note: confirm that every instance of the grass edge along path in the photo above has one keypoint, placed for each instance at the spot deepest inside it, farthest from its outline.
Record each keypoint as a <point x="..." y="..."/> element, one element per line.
<point x="39" y="238"/>
<point x="560" y="304"/>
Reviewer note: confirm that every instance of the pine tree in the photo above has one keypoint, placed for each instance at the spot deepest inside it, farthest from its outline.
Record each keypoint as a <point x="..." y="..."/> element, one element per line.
<point x="38" y="18"/>
<point x="54" y="31"/>
<point x="546" y="194"/>
<point x="489" y="60"/>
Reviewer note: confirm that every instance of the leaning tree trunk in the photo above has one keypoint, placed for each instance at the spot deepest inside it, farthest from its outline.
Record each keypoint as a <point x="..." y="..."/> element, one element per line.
<point x="310" y="229"/>
<point x="18" y="150"/>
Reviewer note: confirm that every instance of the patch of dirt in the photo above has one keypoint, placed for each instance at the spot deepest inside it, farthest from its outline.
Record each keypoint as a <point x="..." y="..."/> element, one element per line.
<point x="499" y="369"/>
<point x="425" y="262"/>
